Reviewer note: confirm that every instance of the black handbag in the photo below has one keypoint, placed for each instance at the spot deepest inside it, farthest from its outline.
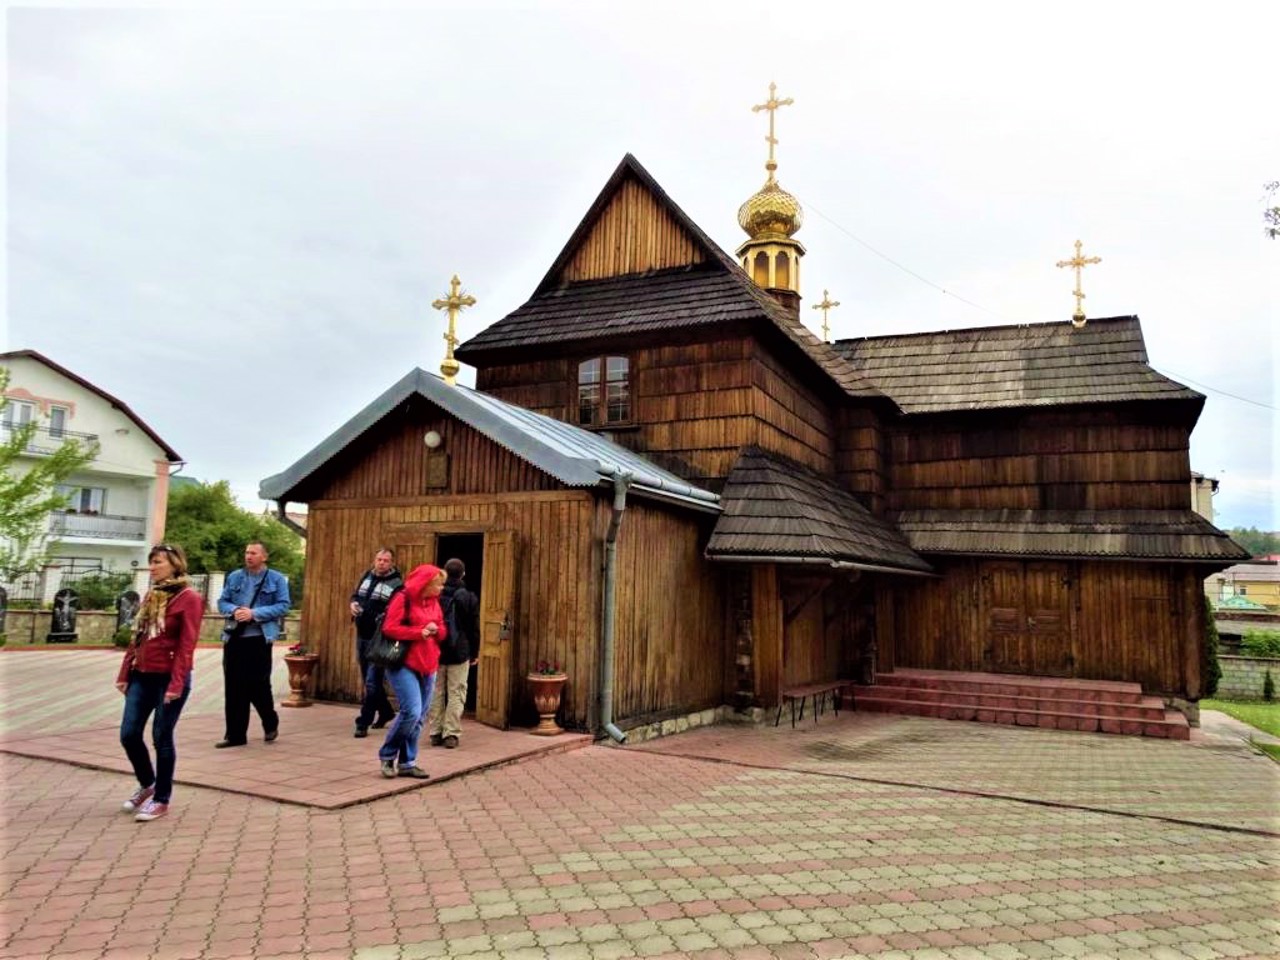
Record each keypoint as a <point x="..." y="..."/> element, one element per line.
<point x="384" y="651"/>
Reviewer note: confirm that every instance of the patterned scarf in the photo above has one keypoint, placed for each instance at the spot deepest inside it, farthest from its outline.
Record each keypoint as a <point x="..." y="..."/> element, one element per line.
<point x="151" y="616"/>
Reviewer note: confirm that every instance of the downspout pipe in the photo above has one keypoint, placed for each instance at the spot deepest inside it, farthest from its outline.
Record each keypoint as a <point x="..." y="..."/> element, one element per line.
<point x="288" y="521"/>
<point x="621" y="483"/>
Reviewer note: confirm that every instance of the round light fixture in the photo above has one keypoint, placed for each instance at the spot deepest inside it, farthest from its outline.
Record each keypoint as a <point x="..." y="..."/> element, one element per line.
<point x="432" y="439"/>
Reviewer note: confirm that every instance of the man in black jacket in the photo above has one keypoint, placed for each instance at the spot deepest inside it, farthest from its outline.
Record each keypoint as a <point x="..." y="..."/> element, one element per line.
<point x="460" y="648"/>
<point x="367" y="604"/>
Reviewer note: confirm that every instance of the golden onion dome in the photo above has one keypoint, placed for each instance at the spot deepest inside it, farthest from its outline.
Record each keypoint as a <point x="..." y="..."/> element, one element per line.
<point x="771" y="213"/>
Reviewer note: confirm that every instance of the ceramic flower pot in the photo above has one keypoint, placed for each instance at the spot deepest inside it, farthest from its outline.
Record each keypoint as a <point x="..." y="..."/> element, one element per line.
<point x="546" y="689"/>
<point x="301" y="666"/>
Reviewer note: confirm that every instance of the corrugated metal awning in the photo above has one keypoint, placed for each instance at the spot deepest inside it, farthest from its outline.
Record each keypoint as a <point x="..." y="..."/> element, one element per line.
<point x="575" y="457"/>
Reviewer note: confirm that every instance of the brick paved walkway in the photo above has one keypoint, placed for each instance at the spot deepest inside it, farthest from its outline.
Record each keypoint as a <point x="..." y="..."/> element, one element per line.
<point x="610" y="853"/>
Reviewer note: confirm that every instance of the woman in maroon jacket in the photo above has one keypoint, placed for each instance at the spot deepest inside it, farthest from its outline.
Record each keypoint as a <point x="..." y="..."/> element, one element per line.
<point x="413" y="616"/>
<point x="156" y="677"/>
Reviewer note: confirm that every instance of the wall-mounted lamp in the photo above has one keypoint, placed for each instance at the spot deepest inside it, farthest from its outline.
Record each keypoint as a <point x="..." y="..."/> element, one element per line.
<point x="432" y="440"/>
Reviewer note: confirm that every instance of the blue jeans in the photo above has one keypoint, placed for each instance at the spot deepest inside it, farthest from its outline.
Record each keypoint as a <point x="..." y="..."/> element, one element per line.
<point x="414" y="693"/>
<point x="375" y="697"/>
<point x="144" y="696"/>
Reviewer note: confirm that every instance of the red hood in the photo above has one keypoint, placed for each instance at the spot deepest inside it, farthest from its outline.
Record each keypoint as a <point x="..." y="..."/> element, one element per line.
<point x="418" y="579"/>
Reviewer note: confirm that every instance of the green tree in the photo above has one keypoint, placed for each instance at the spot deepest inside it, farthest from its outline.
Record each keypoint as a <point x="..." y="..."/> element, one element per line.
<point x="205" y="520"/>
<point x="1257" y="542"/>
<point x="29" y="492"/>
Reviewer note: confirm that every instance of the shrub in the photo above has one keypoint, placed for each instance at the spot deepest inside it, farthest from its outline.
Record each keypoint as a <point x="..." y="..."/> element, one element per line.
<point x="1211" y="670"/>
<point x="4" y="638"/>
<point x="1268" y="687"/>
<point x="122" y="636"/>
<point x="1261" y="643"/>
<point x="100" y="590"/>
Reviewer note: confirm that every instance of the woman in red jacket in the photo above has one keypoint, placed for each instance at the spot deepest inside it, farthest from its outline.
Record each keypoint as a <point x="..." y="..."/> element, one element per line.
<point x="413" y="616"/>
<point x="156" y="678"/>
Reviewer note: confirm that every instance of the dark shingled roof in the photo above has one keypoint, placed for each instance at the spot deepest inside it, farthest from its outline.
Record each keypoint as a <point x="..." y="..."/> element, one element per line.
<point x="708" y="294"/>
<point x="777" y="510"/>
<point x="1103" y="534"/>
<point x="1020" y="366"/>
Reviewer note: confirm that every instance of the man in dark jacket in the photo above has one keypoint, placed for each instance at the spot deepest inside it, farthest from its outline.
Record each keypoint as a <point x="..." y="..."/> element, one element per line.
<point x="367" y="604"/>
<point x="460" y="649"/>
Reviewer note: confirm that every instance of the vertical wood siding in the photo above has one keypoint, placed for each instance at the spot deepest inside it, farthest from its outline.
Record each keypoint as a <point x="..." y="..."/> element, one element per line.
<point x="672" y="647"/>
<point x="557" y="608"/>
<point x="1123" y="621"/>
<point x="1083" y="460"/>
<point x="631" y="235"/>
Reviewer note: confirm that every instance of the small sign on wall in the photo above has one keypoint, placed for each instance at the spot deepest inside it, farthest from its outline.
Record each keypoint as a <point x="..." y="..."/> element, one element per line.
<point x="437" y="470"/>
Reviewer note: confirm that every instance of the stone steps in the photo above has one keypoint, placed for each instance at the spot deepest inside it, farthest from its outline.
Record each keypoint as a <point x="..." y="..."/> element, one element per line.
<point x="1094" y="706"/>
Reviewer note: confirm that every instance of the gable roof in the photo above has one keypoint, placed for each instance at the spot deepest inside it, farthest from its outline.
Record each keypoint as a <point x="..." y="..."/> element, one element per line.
<point x="777" y="511"/>
<point x="714" y="292"/>
<point x="1029" y="365"/>
<point x="170" y="454"/>
<point x="1174" y="535"/>
<point x="575" y="457"/>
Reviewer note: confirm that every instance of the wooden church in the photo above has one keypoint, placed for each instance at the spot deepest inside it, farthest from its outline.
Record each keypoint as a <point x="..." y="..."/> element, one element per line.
<point x="666" y="485"/>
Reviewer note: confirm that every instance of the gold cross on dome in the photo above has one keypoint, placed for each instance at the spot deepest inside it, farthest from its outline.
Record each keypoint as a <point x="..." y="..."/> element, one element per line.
<point x="1078" y="263"/>
<point x="454" y="303"/>
<point x="772" y="105"/>
<point x="826" y="304"/>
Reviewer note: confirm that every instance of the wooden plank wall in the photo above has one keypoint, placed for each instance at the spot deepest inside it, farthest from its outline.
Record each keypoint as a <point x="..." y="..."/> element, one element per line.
<point x="792" y="420"/>
<point x="861" y="459"/>
<point x="632" y="234"/>
<point x="391" y="461"/>
<point x="558" y="611"/>
<point x="672" y="645"/>
<point x="695" y="404"/>
<point x="1097" y="460"/>
<point x="1130" y="622"/>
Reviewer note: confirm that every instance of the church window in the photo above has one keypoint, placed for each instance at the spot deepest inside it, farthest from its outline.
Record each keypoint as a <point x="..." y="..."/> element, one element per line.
<point x="783" y="278"/>
<point x="604" y="391"/>
<point x="761" y="274"/>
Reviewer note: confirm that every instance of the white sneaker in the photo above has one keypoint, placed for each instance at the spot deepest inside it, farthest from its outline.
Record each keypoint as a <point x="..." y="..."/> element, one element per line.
<point x="151" y="811"/>
<point x="140" y="796"/>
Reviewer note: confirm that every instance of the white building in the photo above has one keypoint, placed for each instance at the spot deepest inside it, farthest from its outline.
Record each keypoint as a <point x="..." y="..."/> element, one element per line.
<point x="119" y="500"/>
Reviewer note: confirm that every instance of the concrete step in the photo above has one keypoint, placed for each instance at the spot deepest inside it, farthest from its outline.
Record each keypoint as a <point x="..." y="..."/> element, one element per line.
<point x="1171" y="724"/>
<point x="1044" y="700"/>
<point x="1012" y="685"/>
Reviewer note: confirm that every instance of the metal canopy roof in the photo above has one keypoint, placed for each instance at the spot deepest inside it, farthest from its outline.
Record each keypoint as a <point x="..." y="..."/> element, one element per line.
<point x="575" y="457"/>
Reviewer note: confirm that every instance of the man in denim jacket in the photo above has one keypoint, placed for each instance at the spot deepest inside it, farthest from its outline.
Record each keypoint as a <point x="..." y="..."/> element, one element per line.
<point x="254" y="600"/>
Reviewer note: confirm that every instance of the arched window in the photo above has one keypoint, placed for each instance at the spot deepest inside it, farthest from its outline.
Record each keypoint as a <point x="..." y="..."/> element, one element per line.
<point x="782" y="272"/>
<point x="761" y="275"/>
<point x="604" y="391"/>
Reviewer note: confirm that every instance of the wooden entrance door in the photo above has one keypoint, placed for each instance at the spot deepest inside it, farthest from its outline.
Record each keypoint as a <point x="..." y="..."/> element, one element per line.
<point x="497" y="629"/>
<point x="1026" y="615"/>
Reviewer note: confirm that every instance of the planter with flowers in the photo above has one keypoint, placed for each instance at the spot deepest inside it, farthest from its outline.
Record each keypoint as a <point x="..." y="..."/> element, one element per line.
<point x="302" y="664"/>
<point x="546" y="683"/>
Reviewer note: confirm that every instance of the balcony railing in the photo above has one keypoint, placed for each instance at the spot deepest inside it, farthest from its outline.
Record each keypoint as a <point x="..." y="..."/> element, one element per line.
<point x="97" y="526"/>
<point x="45" y="439"/>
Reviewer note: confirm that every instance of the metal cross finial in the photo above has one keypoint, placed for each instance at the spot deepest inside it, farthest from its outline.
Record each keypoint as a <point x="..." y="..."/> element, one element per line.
<point x="772" y="105"/>
<point x="1078" y="262"/>
<point x="826" y="304"/>
<point x="455" y="302"/>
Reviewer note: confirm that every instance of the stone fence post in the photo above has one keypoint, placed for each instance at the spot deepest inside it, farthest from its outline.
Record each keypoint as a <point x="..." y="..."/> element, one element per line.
<point x="216" y="579"/>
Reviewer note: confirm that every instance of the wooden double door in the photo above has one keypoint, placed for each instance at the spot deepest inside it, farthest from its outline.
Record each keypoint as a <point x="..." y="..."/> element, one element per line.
<point x="1027" y="618"/>
<point x="416" y="543"/>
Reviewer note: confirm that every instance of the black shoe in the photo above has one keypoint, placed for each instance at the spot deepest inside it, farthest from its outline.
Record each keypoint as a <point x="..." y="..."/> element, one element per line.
<point x="451" y="741"/>
<point x="361" y="733"/>
<point x="416" y="773"/>
<point x="223" y="744"/>
<point x="270" y="735"/>
<point x="437" y="740"/>
<point x="381" y="722"/>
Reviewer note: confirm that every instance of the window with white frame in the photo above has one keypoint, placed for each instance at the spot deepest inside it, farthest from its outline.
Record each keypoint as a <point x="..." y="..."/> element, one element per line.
<point x="83" y="499"/>
<point x="57" y="421"/>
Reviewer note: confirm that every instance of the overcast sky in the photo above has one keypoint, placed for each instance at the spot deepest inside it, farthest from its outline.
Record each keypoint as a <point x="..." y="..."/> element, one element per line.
<point x="236" y="220"/>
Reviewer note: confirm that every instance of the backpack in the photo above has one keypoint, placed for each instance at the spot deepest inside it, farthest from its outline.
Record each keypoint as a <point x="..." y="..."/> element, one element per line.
<point x="449" y="649"/>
